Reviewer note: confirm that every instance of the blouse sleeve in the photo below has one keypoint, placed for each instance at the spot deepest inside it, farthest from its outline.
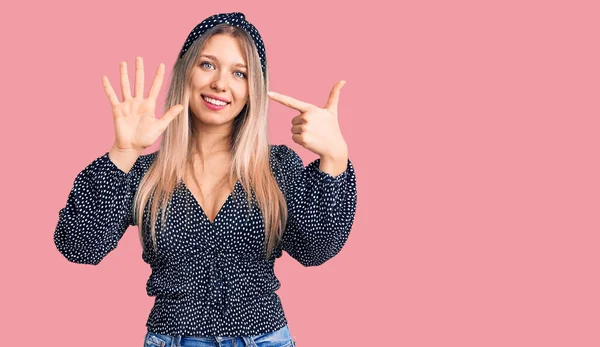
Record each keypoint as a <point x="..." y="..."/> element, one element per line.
<point x="98" y="209"/>
<point x="321" y="208"/>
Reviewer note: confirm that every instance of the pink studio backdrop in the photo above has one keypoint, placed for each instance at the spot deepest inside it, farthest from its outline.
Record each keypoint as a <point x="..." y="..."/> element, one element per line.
<point x="473" y="127"/>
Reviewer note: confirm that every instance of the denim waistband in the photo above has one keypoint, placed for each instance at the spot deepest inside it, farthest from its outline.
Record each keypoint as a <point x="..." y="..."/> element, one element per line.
<point x="278" y="338"/>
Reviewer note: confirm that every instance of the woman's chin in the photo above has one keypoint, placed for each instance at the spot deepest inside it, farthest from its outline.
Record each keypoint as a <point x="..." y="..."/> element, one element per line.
<point x="212" y="119"/>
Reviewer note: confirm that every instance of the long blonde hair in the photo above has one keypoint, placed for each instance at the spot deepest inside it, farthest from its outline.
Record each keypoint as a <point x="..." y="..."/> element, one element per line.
<point x="249" y="145"/>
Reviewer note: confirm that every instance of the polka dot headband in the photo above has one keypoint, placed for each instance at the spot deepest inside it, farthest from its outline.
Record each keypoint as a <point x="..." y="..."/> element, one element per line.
<point x="235" y="19"/>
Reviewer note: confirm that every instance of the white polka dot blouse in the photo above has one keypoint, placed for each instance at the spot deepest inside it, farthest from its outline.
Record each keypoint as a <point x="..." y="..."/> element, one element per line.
<point x="211" y="278"/>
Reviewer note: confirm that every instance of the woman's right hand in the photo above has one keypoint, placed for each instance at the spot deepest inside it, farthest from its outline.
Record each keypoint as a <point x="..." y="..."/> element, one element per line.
<point x="136" y="125"/>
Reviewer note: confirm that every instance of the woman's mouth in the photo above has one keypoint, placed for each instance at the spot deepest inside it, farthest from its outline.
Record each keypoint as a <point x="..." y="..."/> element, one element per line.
<point x="214" y="104"/>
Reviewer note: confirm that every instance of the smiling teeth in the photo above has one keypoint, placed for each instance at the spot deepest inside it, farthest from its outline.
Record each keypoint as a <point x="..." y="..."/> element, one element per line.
<point x="215" y="102"/>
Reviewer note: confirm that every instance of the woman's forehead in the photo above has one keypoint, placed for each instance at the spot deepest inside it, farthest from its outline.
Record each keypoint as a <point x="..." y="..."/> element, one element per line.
<point x="225" y="50"/>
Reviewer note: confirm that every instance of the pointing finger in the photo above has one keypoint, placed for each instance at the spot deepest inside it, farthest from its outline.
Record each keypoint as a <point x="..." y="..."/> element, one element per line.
<point x="290" y="102"/>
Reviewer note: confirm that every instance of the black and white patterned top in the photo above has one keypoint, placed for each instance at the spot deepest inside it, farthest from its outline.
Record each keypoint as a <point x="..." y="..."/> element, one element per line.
<point x="211" y="278"/>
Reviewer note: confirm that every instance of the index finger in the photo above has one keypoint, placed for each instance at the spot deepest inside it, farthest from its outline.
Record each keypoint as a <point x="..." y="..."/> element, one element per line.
<point x="157" y="83"/>
<point x="290" y="102"/>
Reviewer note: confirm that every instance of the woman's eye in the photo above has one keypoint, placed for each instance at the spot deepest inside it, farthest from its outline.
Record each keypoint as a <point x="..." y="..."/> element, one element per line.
<point x="204" y="63"/>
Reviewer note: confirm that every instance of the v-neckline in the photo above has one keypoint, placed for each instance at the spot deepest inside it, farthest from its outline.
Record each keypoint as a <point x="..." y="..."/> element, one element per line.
<point x="202" y="209"/>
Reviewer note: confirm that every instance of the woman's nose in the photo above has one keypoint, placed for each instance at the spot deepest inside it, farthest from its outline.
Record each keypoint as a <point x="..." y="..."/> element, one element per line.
<point x="219" y="83"/>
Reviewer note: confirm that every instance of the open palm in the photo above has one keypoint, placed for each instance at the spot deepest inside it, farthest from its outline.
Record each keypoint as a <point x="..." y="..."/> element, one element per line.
<point x="136" y="125"/>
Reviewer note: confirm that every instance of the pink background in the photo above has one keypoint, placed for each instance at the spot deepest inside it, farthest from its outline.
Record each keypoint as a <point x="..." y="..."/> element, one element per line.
<point x="473" y="127"/>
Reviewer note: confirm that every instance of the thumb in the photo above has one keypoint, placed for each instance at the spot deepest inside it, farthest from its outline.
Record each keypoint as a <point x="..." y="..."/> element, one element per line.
<point x="334" y="97"/>
<point x="170" y="115"/>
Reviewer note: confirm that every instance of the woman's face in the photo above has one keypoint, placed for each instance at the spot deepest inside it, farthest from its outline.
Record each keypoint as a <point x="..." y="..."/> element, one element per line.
<point x="222" y="75"/>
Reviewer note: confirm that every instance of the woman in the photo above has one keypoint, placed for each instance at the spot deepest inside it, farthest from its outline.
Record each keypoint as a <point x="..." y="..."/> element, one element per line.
<point x="217" y="203"/>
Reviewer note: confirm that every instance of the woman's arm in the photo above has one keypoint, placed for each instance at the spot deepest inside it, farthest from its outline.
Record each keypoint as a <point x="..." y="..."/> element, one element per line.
<point x="321" y="208"/>
<point x="98" y="209"/>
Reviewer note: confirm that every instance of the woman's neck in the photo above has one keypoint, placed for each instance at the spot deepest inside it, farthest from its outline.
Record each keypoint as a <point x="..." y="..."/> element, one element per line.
<point x="208" y="144"/>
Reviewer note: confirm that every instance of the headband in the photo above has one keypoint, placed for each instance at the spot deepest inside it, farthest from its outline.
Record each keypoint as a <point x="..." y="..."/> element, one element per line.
<point x="235" y="19"/>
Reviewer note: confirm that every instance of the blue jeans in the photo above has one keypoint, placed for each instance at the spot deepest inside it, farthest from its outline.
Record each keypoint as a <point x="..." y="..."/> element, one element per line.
<point x="278" y="338"/>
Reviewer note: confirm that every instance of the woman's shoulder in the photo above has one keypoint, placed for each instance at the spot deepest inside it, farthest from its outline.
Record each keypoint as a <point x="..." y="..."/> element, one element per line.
<point x="144" y="161"/>
<point x="275" y="149"/>
<point x="282" y="153"/>
<point x="147" y="159"/>
<point x="285" y="162"/>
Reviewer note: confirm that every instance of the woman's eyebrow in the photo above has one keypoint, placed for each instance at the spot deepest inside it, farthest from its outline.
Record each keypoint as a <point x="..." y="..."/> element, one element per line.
<point x="215" y="58"/>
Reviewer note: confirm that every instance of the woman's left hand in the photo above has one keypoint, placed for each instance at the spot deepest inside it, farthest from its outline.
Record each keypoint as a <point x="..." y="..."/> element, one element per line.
<point x="317" y="129"/>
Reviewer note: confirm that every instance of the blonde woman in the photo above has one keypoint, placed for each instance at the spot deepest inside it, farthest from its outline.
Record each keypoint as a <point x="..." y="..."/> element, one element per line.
<point x="217" y="204"/>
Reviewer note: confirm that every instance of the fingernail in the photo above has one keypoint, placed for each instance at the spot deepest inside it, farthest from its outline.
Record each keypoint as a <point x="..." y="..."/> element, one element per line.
<point x="270" y="93"/>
